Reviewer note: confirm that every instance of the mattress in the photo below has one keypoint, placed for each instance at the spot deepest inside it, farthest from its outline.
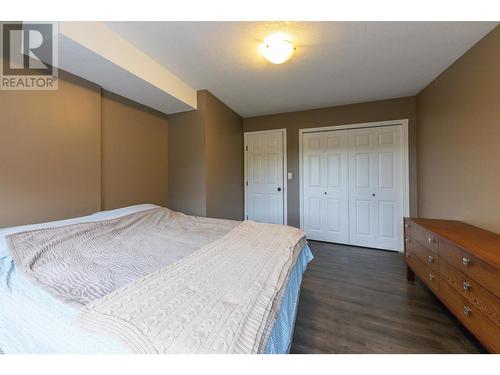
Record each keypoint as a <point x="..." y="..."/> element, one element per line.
<point x="32" y="321"/>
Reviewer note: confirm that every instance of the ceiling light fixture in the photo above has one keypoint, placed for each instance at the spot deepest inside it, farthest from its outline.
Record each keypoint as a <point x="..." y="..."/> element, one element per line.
<point x="277" y="48"/>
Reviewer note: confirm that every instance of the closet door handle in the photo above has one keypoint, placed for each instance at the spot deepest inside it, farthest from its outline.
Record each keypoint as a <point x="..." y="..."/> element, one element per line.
<point x="279" y="189"/>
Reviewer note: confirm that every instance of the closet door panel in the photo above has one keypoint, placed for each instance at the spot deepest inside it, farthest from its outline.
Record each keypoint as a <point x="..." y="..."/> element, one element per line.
<point x="325" y="184"/>
<point x="314" y="186"/>
<point x="389" y="189"/>
<point x="375" y="187"/>
<point x="362" y="172"/>
<point x="336" y="202"/>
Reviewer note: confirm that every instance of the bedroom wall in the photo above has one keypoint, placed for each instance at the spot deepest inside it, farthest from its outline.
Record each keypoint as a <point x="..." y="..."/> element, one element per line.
<point x="392" y="109"/>
<point x="459" y="139"/>
<point x="224" y="149"/>
<point x="134" y="153"/>
<point x="186" y="155"/>
<point x="206" y="160"/>
<point x="50" y="141"/>
<point x="51" y="164"/>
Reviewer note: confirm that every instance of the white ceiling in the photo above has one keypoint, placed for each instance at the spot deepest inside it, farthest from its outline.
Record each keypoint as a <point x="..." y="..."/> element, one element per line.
<point x="335" y="63"/>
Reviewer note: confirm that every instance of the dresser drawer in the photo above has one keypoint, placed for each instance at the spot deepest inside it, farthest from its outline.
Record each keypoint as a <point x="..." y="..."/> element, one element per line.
<point x="424" y="272"/>
<point x="425" y="237"/>
<point x="482" y="328"/>
<point x="480" y="298"/>
<point x="470" y="265"/>
<point x="423" y="253"/>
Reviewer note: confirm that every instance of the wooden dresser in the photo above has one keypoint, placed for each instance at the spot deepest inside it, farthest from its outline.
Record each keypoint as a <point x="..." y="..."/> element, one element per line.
<point x="460" y="263"/>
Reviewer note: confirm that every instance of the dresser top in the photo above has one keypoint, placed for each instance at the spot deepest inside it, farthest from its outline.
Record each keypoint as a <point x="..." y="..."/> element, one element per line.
<point x="477" y="241"/>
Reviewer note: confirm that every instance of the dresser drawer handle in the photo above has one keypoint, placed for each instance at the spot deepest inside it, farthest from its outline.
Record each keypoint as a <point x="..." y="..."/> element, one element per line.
<point x="431" y="276"/>
<point x="467" y="286"/>
<point x="467" y="310"/>
<point x="430" y="259"/>
<point x="466" y="261"/>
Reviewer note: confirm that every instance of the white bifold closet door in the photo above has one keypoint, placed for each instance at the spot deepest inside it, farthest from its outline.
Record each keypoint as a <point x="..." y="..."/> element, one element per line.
<point x="353" y="186"/>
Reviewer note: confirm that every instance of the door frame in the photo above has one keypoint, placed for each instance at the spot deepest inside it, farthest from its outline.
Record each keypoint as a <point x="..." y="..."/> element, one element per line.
<point x="285" y="171"/>
<point x="405" y="162"/>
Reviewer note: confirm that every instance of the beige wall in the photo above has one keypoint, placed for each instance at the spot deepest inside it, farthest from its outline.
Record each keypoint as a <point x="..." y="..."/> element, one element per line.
<point x="50" y="152"/>
<point x="186" y="156"/>
<point x="134" y="153"/>
<point x="393" y="109"/>
<point x="206" y="160"/>
<point x="459" y="139"/>
<point x="224" y="150"/>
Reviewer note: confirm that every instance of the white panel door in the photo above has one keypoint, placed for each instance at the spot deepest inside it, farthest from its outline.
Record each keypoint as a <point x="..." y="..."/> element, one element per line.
<point x="264" y="177"/>
<point x="376" y="187"/>
<point x="325" y="184"/>
<point x="352" y="186"/>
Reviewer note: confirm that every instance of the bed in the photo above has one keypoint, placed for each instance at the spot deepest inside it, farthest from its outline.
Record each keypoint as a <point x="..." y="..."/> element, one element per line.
<point x="36" y="316"/>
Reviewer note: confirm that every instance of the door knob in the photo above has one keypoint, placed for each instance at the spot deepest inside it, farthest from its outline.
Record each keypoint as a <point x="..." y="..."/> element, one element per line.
<point x="373" y="194"/>
<point x="279" y="189"/>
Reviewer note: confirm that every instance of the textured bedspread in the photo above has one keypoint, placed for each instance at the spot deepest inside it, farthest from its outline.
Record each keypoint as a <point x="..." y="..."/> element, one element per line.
<point x="164" y="282"/>
<point x="218" y="300"/>
<point x="82" y="262"/>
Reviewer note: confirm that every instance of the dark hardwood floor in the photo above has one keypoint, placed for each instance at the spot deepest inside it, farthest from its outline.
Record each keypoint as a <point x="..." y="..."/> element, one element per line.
<point x="357" y="300"/>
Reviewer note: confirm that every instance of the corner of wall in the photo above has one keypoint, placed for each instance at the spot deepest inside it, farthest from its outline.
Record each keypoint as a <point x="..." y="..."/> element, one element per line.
<point x="458" y="136"/>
